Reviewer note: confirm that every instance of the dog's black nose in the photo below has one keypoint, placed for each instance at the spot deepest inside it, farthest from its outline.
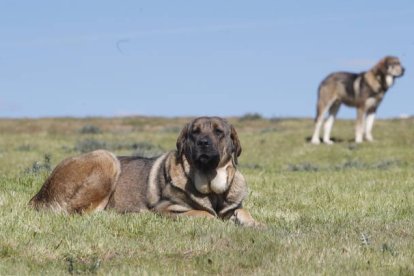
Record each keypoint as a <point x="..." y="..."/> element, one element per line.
<point x="204" y="142"/>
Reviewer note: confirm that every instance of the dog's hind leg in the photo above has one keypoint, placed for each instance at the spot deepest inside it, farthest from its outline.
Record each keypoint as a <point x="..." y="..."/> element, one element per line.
<point x="80" y="184"/>
<point x="320" y="112"/>
<point x="333" y="110"/>
<point x="327" y="96"/>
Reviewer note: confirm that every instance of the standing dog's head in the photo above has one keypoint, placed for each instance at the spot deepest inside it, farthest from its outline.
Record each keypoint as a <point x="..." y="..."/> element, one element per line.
<point x="390" y="66"/>
<point x="209" y="143"/>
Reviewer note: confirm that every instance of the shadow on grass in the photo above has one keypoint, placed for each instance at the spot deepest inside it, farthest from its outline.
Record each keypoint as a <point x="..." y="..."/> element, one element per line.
<point x="334" y="139"/>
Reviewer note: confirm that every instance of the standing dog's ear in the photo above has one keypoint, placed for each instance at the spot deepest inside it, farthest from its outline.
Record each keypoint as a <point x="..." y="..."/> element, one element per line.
<point x="381" y="66"/>
<point x="182" y="139"/>
<point x="236" y="143"/>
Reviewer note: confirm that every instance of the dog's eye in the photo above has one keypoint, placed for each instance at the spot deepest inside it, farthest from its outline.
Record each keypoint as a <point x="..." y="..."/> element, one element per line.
<point x="218" y="132"/>
<point x="195" y="131"/>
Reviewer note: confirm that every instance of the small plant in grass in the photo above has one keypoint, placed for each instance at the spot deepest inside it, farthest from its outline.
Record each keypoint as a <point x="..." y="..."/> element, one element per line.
<point x="253" y="166"/>
<point x="146" y="149"/>
<point x="82" y="265"/>
<point x="303" y="167"/>
<point x="90" y="129"/>
<point x="88" y="145"/>
<point x="7" y="251"/>
<point x="386" y="164"/>
<point x="25" y="148"/>
<point x="356" y="164"/>
<point x="351" y="164"/>
<point x="39" y="167"/>
<point x="271" y="129"/>
<point x="276" y="119"/>
<point x="388" y="248"/>
<point x="251" y="117"/>
<point x="365" y="240"/>
<point x="171" y="129"/>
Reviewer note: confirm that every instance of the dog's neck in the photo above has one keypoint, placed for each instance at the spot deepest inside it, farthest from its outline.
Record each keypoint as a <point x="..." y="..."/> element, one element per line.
<point x="373" y="81"/>
<point x="216" y="181"/>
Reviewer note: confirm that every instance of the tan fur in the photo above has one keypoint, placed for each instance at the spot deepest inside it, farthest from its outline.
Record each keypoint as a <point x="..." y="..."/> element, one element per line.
<point x="363" y="91"/>
<point x="172" y="184"/>
<point x="80" y="184"/>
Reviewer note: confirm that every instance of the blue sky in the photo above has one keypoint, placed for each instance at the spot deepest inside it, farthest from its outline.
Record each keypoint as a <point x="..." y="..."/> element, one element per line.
<point x="189" y="58"/>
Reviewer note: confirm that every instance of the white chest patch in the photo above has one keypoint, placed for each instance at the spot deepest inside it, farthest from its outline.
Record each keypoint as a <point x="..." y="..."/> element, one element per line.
<point x="219" y="183"/>
<point x="216" y="185"/>
<point x="201" y="183"/>
<point x="357" y="84"/>
<point x="389" y="80"/>
<point x="370" y="102"/>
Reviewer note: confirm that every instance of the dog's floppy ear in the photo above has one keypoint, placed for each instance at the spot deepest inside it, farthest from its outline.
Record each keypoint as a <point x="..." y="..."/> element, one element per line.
<point x="182" y="139"/>
<point x="236" y="143"/>
<point x="381" y="66"/>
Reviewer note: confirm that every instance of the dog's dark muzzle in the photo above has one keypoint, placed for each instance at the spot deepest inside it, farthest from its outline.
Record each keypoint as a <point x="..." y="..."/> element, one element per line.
<point x="206" y="156"/>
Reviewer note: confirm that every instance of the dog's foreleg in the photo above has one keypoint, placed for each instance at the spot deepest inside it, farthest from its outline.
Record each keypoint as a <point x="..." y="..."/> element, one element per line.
<point x="359" y="128"/>
<point x="327" y="129"/>
<point x="244" y="218"/>
<point x="197" y="213"/>
<point x="369" y="123"/>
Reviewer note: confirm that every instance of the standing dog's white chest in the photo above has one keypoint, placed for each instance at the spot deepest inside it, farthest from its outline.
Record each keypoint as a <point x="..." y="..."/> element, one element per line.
<point x="389" y="80"/>
<point x="370" y="103"/>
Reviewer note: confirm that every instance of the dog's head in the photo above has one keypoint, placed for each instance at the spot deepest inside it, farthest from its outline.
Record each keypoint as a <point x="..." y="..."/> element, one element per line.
<point x="208" y="143"/>
<point x="390" y="66"/>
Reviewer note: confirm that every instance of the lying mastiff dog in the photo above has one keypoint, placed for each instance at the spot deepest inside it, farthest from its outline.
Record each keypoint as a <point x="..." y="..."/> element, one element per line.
<point x="199" y="178"/>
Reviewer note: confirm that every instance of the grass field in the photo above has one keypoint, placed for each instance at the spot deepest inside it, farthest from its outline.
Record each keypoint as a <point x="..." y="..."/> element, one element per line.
<point x="341" y="209"/>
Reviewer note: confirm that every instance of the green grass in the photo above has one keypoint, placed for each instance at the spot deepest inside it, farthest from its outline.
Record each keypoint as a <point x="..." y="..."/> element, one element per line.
<point x="341" y="209"/>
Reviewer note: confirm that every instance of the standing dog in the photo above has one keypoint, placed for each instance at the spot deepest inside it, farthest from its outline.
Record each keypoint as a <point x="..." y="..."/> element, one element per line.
<point x="200" y="178"/>
<point x="364" y="91"/>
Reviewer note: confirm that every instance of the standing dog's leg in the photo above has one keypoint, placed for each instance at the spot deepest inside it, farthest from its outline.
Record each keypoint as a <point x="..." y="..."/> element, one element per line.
<point x="333" y="110"/>
<point x="320" y="112"/>
<point x="315" y="137"/>
<point x="359" y="128"/>
<point x="323" y="106"/>
<point x="369" y="123"/>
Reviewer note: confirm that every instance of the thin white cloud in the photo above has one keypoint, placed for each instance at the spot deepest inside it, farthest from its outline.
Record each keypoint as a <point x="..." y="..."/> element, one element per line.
<point x="362" y="63"/>
<point x="123" y="36"/>
<point x="8" y="107"/>
<point x="276" y="22"/>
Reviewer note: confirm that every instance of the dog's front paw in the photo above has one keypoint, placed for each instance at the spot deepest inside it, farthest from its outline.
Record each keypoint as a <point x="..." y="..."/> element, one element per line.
<point x="328" y="141"/>
<point x="369" y="138"/>
<point x="243" y="218"/>
<point x="315" y="141"/>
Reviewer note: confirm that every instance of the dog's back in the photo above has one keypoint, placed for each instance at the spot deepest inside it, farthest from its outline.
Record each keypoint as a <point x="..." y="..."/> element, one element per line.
<point x="130" y="194"/>
<point x="341" y="84"/>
